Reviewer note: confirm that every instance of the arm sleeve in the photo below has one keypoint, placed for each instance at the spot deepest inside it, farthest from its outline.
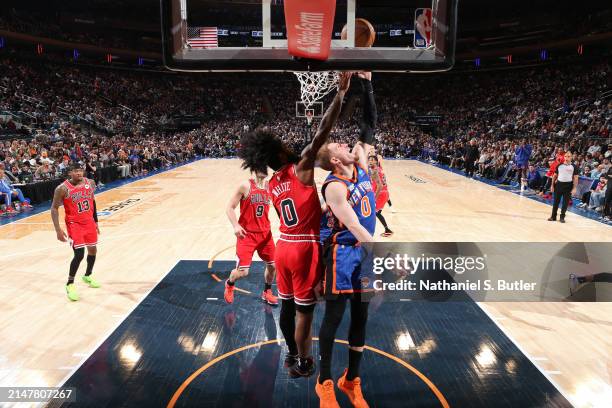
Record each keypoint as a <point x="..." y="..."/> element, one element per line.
<point x="370" y="115"/>
<point x="95" y="212"/>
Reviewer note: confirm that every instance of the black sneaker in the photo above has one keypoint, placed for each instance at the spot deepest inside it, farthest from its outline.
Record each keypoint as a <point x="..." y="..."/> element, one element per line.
<point x="290" y="360"/>
<point x="562" y="220"/>
<point x="552" y="219"/>
<point x="303" y="368"/>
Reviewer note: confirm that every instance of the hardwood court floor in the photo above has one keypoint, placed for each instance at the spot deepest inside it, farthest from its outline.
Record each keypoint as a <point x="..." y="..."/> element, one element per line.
<point x="179" y="215"/>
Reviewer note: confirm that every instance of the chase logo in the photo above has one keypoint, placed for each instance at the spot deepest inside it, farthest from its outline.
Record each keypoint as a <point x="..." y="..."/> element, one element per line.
<point x="113" y="209"/>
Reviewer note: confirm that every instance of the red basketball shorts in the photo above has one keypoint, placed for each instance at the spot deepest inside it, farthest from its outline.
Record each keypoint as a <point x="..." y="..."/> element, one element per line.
<point x="298" y="270"/>
<point x="261" y="242"/>
<point x="382" y="199"/>
<point x="82" y="234"/>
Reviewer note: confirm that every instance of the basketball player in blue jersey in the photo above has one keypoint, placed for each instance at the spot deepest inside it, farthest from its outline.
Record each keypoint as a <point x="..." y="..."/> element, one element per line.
<point x="351" y="214"/>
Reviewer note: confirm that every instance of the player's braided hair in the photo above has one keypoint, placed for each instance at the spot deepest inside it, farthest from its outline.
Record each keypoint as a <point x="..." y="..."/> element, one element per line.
<point x="261" y="149"/>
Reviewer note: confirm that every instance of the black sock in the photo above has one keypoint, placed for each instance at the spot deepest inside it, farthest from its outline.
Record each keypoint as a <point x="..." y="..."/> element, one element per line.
<point x="91" y="259"/>
<point x="353" y="366"/>
<point x="382" y="220"/>
<point x="230" y="283"/>
<point x="267" y="286"/>
<point x="287" y="325"/>
<point x="74" y="264"/>
<point x="334" y="310"/>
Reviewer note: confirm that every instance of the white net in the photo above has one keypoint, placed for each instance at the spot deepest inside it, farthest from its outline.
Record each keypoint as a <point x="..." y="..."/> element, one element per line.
<point x="315" y="85"/>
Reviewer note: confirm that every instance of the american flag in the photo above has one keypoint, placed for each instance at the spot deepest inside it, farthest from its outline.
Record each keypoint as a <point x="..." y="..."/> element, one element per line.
<point x="202" y="37"/>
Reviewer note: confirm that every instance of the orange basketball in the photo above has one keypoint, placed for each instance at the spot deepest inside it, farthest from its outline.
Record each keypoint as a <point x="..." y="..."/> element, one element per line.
<point x="364" y="33"/>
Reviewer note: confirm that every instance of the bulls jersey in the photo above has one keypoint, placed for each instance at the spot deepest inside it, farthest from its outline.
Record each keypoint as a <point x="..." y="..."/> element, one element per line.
<point x="79" y="202"/>
<point x="383" y="180"/>
<point x="254" y="209"/>
<point x="360" y="197"/>
<point x="297" y="204"/>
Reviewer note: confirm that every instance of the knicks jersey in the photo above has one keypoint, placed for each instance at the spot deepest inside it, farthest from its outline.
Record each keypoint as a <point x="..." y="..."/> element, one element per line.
<point x="360" y="197"/>
<point x="296" y="203"/>
<point x="79" y="203"/>
<point x="327" y="223"/>
<point x="254" y="209"/>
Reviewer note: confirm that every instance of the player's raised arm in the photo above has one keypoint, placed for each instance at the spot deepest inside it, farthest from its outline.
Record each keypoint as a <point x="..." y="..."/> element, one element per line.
<point x="335" y="197"/>
<point x="367" y="124"/>
<point x="238" y="195"/>
<point x="309" y="154"/>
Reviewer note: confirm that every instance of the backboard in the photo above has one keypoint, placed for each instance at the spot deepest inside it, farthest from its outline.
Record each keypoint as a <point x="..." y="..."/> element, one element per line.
<point x="251" y="35"/>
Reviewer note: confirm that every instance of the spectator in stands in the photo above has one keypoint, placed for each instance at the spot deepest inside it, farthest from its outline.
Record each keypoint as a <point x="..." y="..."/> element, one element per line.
<point x="44" y="171"/>
<point x="10" y="193"/>
<point x="594" y="198"/>
<point x="534" y="180"/>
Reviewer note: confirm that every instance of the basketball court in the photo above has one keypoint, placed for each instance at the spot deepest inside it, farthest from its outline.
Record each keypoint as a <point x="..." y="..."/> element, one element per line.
<point x="159" y="333"/>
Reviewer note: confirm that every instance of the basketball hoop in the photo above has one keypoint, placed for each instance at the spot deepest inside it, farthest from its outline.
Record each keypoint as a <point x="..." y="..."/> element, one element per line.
<point x="315" y="85"/>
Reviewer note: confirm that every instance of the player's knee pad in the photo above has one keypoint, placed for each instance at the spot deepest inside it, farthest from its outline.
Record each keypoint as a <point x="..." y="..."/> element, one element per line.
<point x="306" y="309"/>
<point x="79" y="254"/>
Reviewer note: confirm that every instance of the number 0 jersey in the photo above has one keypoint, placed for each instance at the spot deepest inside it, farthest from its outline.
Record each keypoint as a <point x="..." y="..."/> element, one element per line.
<point x="254" y="209"/>
<point x="79" y="202"/>
<point x="360" y="197"/>
<point x="297" y="205"/>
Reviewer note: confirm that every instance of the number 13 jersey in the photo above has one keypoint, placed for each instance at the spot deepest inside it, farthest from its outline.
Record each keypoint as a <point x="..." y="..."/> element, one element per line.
<point x="297" y="205"/>
<point x="79" y="202"/>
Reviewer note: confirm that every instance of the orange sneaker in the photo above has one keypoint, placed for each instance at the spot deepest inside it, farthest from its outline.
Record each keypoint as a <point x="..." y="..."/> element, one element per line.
<point x="228" y="294"/>
<point x="326" y="393"/>
<point x="269" y="298"/>
<point x="352" y="389"/>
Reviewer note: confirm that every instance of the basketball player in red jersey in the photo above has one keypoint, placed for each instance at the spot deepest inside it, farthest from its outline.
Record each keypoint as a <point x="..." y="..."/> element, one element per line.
<point x="379" y="185"/>
<point x="77" y="196"/>
<point x="295" y="198"/>
<point x="253" y="233"/>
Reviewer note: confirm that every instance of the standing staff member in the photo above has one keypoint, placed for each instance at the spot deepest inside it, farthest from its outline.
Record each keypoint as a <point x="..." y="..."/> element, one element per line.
<point x="607" y="210"/>
<point x="563" y="186"/>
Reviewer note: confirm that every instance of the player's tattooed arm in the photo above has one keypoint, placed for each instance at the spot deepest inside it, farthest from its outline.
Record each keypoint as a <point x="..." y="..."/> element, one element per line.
<point x="309" y="154"/>
<point x="230" y="210"/>
<point x="58" y="199"/>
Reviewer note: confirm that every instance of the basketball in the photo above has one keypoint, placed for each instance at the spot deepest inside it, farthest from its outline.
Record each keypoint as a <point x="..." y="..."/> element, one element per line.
<point x="364" y="33"/>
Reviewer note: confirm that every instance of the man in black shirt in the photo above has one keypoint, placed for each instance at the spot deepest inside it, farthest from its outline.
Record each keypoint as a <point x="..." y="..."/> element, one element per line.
<point x="471" y="155"/>
<point x="564" y="184"/>
<point x="607" y="211"/>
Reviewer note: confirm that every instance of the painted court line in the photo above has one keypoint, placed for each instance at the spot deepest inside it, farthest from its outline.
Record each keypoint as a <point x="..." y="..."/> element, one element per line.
<point x="522" y="350"/>
<point x="212" y="298"/>
<point x="107" y="334"/>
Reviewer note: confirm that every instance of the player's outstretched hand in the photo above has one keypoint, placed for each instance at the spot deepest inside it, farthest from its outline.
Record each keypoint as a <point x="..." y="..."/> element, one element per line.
<point x="61" y="236"/>
<point x="344" y="81"/>
<point x="239" y="232"/>
<point x="365" y="75"/>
